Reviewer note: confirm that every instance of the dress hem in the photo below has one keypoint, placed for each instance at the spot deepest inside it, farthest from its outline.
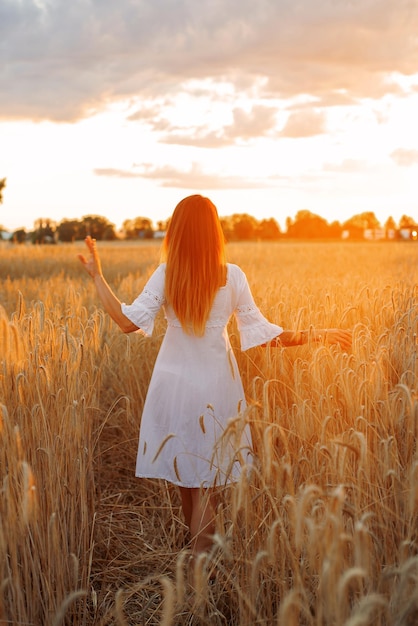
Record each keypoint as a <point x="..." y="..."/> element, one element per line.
<point x="202" y="485"/>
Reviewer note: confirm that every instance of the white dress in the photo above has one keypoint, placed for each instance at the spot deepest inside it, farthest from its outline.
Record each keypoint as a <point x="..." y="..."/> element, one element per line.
<point x="193" y="430"/>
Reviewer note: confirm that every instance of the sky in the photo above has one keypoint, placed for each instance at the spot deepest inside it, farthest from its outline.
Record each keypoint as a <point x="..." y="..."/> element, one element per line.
<point x="121" y="108"/>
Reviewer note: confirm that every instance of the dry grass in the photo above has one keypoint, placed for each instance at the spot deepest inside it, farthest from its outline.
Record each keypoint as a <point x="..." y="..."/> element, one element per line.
<point x="325" y="533"/>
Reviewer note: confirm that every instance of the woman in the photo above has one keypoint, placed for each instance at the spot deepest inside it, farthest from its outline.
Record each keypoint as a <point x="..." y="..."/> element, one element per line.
<point x="196" y="391"/>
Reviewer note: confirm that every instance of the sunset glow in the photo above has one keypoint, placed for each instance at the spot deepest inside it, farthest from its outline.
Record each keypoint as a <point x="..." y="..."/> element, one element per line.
<point x="122" y="109"/>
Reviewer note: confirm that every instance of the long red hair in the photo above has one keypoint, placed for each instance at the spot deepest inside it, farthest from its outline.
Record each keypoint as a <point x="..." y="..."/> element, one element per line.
<point x="194" y="251"/>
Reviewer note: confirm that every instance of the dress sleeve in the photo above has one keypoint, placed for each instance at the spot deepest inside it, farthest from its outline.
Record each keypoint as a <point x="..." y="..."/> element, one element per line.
<point x="254" y="328"/>
<point x="144" y="308"/>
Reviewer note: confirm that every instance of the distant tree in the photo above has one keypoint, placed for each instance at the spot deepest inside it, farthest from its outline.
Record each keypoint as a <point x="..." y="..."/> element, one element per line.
<point x="390" y="228"/>
<point x="44" y="231"/>
<point x="308" y="225"/>
<point x="407" y="222"/>
<point x="138" y="228"/>
<point x="390" y="224"/>
<point x="2" y="186"/>
<point x="244" y="226"/>
<point x="128" y="229"/>
<point x="109" y="233"/>
<point x="162" y="225"/>
<point x="360" y="222"/>
<point x="363" y="220"/>
<point x="97" y="227"/>
<point x="69" y="230"/>
<point x="268" y="229"/>
<point x="19" y="236"/>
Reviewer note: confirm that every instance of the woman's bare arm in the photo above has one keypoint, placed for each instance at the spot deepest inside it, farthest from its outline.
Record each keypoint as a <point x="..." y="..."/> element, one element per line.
<point x="290" y="338"/>
<point x="111" y="303"/>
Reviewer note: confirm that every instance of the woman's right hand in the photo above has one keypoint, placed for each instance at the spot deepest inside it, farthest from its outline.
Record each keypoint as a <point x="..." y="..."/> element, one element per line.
<point x="335" y="335"/>
<point x="91" y="264"/>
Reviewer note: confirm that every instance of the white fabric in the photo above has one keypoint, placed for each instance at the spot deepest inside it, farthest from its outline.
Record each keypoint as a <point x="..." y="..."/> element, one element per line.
<point x="196" y="390"/>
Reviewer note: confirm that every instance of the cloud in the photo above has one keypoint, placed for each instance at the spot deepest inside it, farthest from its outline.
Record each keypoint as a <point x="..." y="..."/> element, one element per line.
<point x="405" y="157"/>
<point x="110" y="172"/>
<point x="347" y="166"/>
<point x="65" y="60"/>
<point x="304" y="124"/>
<point x="194" y="178"/>
<point x="259" y="121"/>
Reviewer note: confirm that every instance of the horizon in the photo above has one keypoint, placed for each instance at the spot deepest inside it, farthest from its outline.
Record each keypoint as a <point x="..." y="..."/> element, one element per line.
<point x="154" y="224"/>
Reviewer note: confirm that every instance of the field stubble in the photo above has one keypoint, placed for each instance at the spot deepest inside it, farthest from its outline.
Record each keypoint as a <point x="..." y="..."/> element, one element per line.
<point x="326" y="530"/>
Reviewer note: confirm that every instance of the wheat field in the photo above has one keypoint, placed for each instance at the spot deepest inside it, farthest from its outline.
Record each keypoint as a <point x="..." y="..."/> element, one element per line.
<point x="324" y="532"/>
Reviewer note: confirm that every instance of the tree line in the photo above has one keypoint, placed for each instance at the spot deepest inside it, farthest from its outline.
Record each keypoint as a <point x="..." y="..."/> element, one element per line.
<point x="236" y="227"/>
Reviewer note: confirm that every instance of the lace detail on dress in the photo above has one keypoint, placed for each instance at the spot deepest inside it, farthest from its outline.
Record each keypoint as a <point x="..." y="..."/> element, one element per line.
<point x="153" y="296"/>
<point x="211" y="323"/>
<point x="243" y="309"/>
<point x="216" y="322"/>
<point x="253" y="327"/>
